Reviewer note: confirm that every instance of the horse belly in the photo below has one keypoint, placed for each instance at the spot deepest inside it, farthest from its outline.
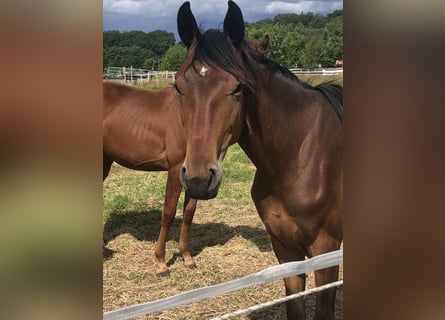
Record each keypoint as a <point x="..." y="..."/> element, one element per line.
<point x="160" y="164"/>
<point x="137" y="155"/>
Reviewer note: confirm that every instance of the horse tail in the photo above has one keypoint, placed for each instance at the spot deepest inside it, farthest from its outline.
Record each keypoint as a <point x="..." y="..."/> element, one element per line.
<point x="334" y="93"/>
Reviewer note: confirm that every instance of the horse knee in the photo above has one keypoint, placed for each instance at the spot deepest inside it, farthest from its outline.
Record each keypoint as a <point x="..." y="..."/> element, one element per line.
<point x="168" y="216"/>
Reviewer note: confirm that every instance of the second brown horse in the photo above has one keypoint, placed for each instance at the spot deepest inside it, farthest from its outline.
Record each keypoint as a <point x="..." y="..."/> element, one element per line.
<point x="142" y="130"/>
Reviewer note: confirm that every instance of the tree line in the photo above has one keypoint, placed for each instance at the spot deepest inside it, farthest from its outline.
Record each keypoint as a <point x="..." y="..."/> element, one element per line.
<point x="296" y="40"/>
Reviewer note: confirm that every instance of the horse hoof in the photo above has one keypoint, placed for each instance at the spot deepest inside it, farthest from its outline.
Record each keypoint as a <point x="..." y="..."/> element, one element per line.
<point x="192" y="266"/>
<point x="164" y="274"/>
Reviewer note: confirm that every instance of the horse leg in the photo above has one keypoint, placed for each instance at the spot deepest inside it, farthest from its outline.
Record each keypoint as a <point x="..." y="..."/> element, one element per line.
<point x="107" y="162"/>
<point x="325" y="306"/>
<point x="184" y="238"/>
<point x="173" y="190"/>
<point x="295" y="309"/>
<point x="268" y="207"/>
<point x="106" y="166"/>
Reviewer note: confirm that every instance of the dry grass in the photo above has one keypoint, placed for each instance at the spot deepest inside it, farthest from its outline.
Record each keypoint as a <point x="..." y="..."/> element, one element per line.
<point x="315" y="79"/>
<point x="228" y="241"/>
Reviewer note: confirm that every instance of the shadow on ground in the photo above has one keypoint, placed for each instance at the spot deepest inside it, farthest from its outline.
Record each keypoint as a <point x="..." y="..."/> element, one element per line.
<point x="145" y="226"/>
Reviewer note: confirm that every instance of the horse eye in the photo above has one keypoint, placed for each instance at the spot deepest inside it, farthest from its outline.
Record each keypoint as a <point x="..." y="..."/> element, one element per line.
<point x="238" y="90"/>
<point x="178" y="91"/>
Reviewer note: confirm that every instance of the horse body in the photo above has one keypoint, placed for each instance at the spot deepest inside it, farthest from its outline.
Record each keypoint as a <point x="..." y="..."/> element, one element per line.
<point x="296" y="146"/>
<point x="137" y="139"/>
<point x="291" y="131"/>
<point x="142" y="130"/>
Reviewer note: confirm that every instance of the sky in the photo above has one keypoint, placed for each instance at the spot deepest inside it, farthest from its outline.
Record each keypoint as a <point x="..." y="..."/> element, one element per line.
<point x="150" y="15"/>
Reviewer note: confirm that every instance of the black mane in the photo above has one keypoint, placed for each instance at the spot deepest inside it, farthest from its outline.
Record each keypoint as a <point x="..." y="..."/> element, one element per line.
<point x="213" y="48"/>
<point x="334" y="93"/>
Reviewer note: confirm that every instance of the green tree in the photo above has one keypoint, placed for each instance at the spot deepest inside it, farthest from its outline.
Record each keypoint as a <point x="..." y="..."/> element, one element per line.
<point x="150" y="64"/>
<point x="333" y="39"/>
<point x="125" y="56"/>
<point x="174" y="57"/>
<point x="287" y="41"/>
<point x="160" y="41"/>
<point x="133" y="48"/>
<point x="336" y="13"/>
<point x="302" y="39"/>
<point x="317" y="22"/>
<point x="111" y="38"/>
<point x="311" y="55"/>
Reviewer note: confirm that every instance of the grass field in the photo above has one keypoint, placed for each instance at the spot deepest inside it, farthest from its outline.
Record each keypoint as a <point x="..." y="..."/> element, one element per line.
<point x="228" y="241"/>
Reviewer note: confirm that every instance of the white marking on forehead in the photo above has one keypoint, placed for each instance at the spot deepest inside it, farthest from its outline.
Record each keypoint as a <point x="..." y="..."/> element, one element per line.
<point x="203" y="71"/>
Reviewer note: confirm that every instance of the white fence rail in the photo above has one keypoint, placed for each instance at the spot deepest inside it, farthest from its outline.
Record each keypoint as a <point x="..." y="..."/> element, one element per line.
<point x="137" y="75"/>
<point x="321" y="71"/>
<point x="279" y="300"/>
<point x="270" y="274"/>
<point x="143" y="75"/>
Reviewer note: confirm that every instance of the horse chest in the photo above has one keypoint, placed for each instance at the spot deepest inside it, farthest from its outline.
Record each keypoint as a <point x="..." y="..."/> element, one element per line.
<point x="285" y="220"/>
<point x="286" y="228"/>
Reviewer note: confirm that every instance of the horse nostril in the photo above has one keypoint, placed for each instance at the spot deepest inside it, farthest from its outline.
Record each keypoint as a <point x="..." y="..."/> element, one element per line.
<point x="212" y="172"/>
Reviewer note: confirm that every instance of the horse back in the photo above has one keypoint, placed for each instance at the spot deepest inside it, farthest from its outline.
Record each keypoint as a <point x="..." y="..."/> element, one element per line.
<point x="138" y="126"/>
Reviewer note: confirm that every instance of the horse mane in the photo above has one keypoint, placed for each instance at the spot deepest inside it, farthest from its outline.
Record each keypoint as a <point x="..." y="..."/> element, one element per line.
<point x="213" y="48"/>
<point x="334" y="93"/>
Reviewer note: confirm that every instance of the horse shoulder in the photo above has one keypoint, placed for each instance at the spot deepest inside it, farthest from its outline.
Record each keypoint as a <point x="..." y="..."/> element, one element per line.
<point x="307" y="184"/>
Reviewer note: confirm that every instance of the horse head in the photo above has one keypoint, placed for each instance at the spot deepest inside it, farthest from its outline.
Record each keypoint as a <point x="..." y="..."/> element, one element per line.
<point x="211" y="84"/>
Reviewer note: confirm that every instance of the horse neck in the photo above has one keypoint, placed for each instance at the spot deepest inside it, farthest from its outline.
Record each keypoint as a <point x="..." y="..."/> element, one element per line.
<point x="273" y="112"/>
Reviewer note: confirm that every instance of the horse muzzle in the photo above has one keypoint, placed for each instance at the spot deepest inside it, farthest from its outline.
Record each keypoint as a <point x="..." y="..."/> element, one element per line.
<point x="203" y="185"/>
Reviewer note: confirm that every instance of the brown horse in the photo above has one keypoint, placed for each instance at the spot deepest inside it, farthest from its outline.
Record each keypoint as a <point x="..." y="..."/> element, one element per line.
<point x="291" y="131"/>
<point x="142" y="130"/>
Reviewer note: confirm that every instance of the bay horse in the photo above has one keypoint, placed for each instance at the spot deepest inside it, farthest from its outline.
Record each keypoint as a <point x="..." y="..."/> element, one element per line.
<point x="142" y="130"/>
<point x="291" y="131"/>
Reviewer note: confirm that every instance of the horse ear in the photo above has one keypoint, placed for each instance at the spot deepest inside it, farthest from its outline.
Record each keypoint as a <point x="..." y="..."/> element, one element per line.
<point x="234" y="24"/>
<point x="187" y="26"/>
<point x="248" y="124"/>
<point x="265" y="43"/>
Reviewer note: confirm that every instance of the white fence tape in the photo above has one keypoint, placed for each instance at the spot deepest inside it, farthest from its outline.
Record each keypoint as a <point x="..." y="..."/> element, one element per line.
<point x="270" y="274"/>
<point x="279" y="300"/>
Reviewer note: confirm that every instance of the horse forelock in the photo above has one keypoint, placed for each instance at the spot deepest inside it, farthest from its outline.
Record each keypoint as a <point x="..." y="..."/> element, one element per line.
<point x="213" y="49"/>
